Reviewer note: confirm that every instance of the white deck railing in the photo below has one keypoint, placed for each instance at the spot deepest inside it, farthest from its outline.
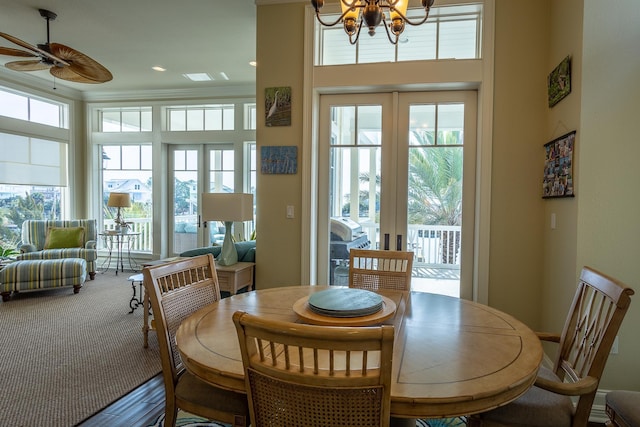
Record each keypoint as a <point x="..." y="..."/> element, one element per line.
<point x="434" y="245"/>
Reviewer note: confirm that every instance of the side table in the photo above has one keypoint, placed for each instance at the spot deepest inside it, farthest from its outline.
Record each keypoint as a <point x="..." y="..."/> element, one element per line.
<point x="234" y="277"/>
<point x="119" y="242"/>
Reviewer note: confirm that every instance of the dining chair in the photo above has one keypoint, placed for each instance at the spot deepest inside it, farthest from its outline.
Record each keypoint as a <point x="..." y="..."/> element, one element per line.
<point x="375" y="269"/>
<point x="176" y="290"/>
<point x="623" y="408"/>
<point x="300" y="375"/>
<point x="599" y="305"/>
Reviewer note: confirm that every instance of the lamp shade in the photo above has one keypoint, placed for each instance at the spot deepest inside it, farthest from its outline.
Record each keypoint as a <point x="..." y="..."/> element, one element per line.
<point x="119" y="200"/>
<point x="227" y="206"/>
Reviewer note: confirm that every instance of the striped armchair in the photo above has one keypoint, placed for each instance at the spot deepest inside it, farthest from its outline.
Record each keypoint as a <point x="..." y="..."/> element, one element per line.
<point x="34" y="234"/>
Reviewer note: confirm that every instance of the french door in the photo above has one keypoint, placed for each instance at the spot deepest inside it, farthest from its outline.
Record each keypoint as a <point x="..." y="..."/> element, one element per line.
<point x="396" y="172"/>
<point x="198" y="169"/>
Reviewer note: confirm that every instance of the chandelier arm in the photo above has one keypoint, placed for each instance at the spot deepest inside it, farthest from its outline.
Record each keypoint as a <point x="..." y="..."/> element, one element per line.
<point x="353" y="5"/>
<point x="386" y="29"/>
<point x="326" y="24"/>
<point x="408" y="21"/>
<point x="354" y="41"/>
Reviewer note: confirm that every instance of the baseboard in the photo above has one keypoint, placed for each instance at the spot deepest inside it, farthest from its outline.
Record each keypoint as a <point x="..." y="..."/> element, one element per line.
<point x="598" y="414"/>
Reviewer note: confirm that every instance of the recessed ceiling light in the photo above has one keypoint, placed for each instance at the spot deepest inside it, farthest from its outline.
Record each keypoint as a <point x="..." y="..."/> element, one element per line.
<point x="198" y="77"/>
<point x="158" y="68"/>
<point x="253" y="63"/>
<point x="224" y="76"/>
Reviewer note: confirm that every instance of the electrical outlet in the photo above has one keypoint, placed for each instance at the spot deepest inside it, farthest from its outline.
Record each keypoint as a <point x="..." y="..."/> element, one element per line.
<point x="614" y="346"/>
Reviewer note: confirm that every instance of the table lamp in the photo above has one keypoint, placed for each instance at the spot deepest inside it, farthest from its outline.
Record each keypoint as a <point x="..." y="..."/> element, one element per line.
<point x="119" y="200"/>
<point x="227" y="207"/>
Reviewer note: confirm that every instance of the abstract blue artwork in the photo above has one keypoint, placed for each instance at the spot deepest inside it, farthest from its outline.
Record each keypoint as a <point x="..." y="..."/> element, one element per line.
<point x="279" y="159"/>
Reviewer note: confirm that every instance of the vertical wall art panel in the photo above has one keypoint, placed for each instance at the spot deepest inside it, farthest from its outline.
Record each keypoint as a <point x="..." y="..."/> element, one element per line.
<point x="558" y="167"/>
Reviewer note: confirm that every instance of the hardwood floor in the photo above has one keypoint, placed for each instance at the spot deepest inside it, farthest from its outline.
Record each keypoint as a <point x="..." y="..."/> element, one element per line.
<point x="142" y="407"/>
<point x="139" y="408"/>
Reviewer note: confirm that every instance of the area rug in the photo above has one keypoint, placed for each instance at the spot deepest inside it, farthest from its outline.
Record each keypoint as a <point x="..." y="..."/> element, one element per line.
<point x="65" y="356"/>
<point x="186" y="419"/>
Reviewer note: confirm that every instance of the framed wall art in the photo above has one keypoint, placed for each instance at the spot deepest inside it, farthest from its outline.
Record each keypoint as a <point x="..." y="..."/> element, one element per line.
<point x="279" y="160"/>
<point x="558" y="167"/>
<point x="277" y="103"/>
<point x="559" y="82"/>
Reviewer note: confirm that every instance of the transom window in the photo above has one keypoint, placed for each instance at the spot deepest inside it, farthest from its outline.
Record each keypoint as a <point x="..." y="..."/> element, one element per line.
<point x="201" y="117"/>
<point x="27" y="107"/>
<point x="133" y="119"/>
<point x="451" y="32"/>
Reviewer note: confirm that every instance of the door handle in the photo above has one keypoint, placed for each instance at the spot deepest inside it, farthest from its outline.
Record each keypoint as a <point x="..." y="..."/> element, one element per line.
<point x="399" y="242"/>
<point x="386" y="241"/>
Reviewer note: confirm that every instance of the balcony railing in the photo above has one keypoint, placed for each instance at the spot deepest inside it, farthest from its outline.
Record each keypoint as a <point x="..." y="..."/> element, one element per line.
<point x="143" y="242"/>
<point x="433" y="245"/>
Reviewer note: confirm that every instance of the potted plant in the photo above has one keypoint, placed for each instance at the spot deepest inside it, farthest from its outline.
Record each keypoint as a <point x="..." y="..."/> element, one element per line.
<point x="6" y="253"/>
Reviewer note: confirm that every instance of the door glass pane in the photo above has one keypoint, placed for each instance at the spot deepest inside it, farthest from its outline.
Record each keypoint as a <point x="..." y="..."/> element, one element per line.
<point x="185" y="200"/>
<point x="354" y="189"/>
<point x="222" y="171"/>
<point x="221" y="180"/>
<point x="434" y="206"/>
<point x="127" y="169"/>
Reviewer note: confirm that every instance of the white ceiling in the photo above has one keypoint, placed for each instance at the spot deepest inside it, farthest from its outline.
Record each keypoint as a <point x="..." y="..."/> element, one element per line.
<point x="129" y="37"/>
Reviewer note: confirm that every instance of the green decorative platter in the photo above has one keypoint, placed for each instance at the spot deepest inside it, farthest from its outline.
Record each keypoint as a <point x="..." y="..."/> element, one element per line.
<point x="345" y="302"/>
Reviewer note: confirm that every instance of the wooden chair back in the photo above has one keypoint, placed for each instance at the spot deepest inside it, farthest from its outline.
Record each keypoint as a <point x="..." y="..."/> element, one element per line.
<point x="313" y="376"/>
<point x="176" y="290"/>
<point x="595" y="315"/>
<point x="375" y="269"/>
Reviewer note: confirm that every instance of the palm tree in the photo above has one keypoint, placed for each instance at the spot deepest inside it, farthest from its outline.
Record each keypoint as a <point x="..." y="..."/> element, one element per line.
<point x="435" y="185"/>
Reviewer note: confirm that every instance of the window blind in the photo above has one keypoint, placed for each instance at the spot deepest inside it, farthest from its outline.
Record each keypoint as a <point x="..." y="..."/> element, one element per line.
<point x="32" y="161"/>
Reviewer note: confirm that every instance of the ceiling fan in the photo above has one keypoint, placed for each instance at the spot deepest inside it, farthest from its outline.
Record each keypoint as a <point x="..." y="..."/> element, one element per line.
<point x="62" y="61"/>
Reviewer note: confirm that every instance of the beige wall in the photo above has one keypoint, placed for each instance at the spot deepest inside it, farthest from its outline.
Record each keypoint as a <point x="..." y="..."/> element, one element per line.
<point x="279" y="55"/>
<point x="560" y="269"/>
<point x="609" y="206"/>
<point x="515" y="270"/>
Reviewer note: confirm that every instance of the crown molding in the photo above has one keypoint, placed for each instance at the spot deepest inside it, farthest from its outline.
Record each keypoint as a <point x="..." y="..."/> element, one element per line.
<point x="239" y="91"/>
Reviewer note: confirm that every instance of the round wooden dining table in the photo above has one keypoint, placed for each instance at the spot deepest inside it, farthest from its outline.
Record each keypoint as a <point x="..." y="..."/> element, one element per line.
<point x="452" y="357"/>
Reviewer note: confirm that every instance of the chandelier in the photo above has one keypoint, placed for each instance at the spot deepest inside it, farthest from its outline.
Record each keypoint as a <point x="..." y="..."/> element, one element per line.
<point x="356" y="13"/>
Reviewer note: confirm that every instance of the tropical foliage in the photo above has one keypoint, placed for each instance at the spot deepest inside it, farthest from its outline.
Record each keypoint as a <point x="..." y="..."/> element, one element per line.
<point x="16" y="209"/>
<point x="435" y="182"/>
<point x="434" y="187"/>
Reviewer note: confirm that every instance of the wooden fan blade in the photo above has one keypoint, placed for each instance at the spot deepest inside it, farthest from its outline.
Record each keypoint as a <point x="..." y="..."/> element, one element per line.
<point x="26" y="65"/>
<point x="9" y="51"/>
<point x="36" y="49"/>
<point x="79" y="64"/>
<point x="67" y="73"/>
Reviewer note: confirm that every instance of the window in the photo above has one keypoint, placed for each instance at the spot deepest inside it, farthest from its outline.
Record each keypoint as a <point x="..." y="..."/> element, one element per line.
<point x="451" y="32"/>
<point x="127" y="169"/>
<point x="134" y="119"/>
<point x="250" y="118"/>
<point x="27" y="107"/>
<point x="203" y="117"/>
<point x="184" y="130"/>
<point x="33" y="164"/>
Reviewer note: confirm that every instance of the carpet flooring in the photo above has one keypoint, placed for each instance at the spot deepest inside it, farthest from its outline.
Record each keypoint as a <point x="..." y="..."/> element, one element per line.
<point x="65" y="356"/>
